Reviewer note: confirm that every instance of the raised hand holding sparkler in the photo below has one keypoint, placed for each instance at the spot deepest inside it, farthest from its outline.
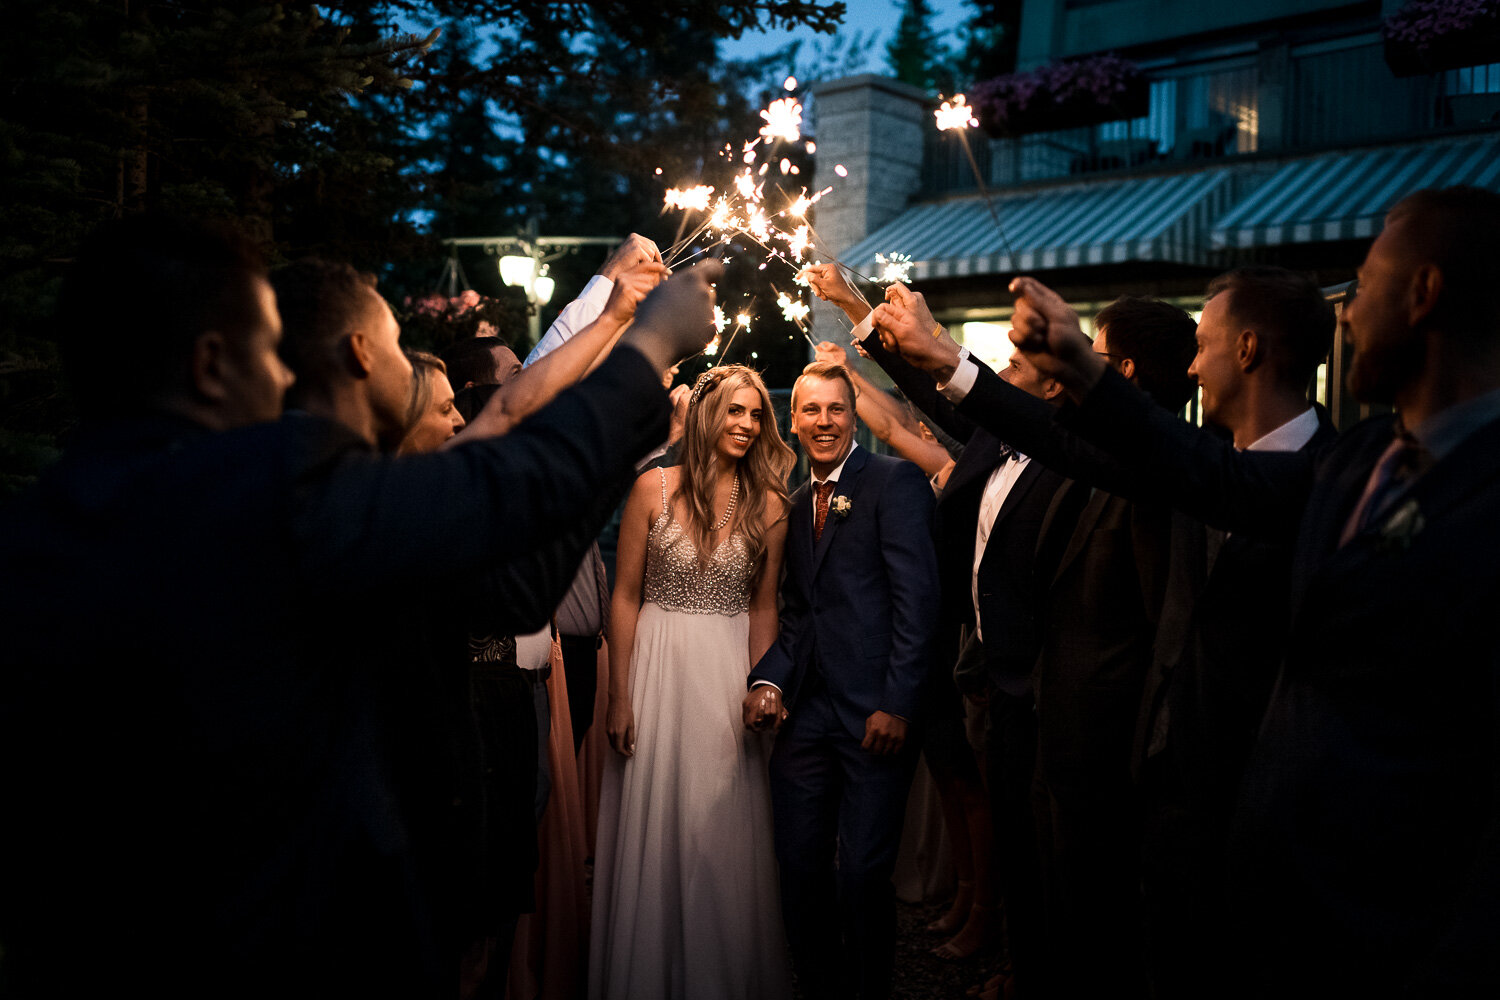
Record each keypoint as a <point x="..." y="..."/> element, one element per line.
<point x="676" y="319"/>
<point x="829" y="284"/>
<point x="631" y="285"/>
<point x="1046" y="330"/>
<point x="635" y="249"/>
<point x="906" y="326"/>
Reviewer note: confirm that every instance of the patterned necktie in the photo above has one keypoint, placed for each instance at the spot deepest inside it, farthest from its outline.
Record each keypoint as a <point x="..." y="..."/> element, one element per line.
<point x="820" y="508"/>
<point x="1402" y="459"/>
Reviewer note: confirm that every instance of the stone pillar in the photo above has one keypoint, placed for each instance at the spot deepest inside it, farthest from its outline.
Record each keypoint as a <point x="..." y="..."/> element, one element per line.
<point x="874" y="127"/>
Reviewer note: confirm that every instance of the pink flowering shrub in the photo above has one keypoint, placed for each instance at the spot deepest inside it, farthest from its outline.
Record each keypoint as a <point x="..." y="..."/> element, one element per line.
<point x="434" y="322"/>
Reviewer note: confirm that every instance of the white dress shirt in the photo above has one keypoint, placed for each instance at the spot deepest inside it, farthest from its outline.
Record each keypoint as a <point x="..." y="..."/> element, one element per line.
<point x="576" y="315"/>
<point x="1290" y="436"/>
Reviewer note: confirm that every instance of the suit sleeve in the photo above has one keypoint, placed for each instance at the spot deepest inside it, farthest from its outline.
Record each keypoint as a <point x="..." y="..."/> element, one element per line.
<point x="1253" y="492"/>
<point x="906" y="548"/>
<point x="521" y="594"/>
<point x="362" y="522"/>
<point x="920" y="389"/>
<point x="1029" y="424"/>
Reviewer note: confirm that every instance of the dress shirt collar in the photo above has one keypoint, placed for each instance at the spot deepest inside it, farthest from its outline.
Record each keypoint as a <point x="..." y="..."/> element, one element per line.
<point x="833" y="477"/>
<point x="1290" y="436"/>
<point x="1440" y="433"/>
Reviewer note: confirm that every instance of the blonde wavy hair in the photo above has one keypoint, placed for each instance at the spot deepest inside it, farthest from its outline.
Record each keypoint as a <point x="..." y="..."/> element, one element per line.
<point x="763" y="470"/>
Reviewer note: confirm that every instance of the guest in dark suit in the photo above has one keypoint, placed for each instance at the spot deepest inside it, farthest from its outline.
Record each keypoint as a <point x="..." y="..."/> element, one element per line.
<point x="1365" y="853"/>
<point x="188" y="759"/>
<point x="1105" y="557"/>
<point x="859" y="607"/>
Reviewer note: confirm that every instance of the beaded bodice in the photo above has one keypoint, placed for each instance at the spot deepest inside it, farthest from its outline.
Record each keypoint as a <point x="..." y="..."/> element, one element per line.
<point x="677" y="580"/>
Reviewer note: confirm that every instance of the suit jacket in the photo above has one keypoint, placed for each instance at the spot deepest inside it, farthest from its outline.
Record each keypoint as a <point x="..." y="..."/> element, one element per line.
<point x="1010" y="590"/>
<point x="859" y="604"/>
<point x="1102" y="559"/>
<point x="1367" y="843"/>
<point x="185" y="714"/>
<point x="1218" y="648"/>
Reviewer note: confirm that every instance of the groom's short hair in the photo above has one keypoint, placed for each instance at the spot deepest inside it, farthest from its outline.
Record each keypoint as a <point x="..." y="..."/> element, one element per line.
<point x="827" y="371"/>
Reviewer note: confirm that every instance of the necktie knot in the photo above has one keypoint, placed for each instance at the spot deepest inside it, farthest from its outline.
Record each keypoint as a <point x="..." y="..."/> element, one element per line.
<point x="821" y="494"/>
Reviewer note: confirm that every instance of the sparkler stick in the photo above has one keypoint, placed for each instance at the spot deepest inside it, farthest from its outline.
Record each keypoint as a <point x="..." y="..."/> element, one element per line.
<point x="956" y="116"/>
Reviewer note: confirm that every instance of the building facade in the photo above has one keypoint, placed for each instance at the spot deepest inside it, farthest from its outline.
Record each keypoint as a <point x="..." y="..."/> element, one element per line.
<point x="1267" y="131"/>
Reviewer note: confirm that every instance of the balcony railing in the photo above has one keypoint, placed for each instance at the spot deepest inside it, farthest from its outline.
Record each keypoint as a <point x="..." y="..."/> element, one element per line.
<point x="1325" y="95"/>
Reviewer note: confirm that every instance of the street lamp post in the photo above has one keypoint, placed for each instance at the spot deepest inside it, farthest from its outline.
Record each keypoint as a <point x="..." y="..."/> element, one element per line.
<point x="524" y="263"/>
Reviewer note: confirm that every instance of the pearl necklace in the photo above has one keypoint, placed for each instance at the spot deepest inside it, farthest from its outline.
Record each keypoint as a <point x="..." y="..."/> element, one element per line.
<point x="734" y="500"/>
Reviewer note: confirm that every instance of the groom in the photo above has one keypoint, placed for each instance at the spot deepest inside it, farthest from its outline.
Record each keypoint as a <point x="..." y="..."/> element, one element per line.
<point x="845" y="674"/>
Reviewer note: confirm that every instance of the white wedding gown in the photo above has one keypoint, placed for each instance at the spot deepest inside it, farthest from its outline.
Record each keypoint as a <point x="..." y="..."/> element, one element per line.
<point x="686" y="903"/>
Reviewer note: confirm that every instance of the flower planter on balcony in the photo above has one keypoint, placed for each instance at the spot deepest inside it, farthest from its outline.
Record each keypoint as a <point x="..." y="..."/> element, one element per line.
<point x="1062" y="95"/>
<point x="1429" y="36"/>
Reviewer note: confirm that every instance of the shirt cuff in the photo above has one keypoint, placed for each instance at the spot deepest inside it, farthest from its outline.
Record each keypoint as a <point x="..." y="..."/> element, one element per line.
<point x="863" y="328"/>
<point x="964" y="376"/>
<point x="767" y="684"/>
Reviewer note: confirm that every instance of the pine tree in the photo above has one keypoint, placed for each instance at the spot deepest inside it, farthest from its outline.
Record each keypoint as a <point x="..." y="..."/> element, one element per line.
<point x="913" y="54"/>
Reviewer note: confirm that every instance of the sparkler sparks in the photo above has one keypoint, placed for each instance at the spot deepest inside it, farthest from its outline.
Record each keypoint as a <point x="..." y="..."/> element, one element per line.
<point x="792" y="310"/>
<point x="894" y="269"/>
<point x="693" y="197"/>
<point x="720" y="321"/>
<point x="783" y="121"/>
<point x="955" y="115"/>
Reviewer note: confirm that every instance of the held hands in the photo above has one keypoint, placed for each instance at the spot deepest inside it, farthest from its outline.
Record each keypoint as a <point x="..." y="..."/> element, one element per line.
<point x="677" y="318"/>
<point x="906" y="327"/>
<point x="1047" y="332"/>
<point x="885" y="734"/>
<point x="635" y="250"/>
<point x="619" y="723"/>
<point x="762" y="709"/>
<point x="631" y="286"/>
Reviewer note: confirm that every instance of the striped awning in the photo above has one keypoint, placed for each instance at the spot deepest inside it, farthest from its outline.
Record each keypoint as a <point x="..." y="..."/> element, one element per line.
<point x="1162" y="218"/>
<point x="1345" y="196"/>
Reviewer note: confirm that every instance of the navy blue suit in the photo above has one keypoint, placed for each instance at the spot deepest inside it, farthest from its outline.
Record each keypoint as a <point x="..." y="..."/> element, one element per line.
<point x="860" y="606"/>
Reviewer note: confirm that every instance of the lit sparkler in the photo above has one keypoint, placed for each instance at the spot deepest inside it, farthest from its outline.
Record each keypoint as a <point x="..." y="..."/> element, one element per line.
<point x="783" y="121"/>
<point x="956" y="116"/>
<point x="689" y="198"/>
<point x="894" y="269"/>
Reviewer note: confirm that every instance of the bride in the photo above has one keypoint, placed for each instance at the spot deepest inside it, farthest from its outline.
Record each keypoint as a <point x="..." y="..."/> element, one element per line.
<point x="685" y="886"/>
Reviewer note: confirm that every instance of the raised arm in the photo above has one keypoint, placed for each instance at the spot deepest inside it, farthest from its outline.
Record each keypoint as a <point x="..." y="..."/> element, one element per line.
<point x="536" y="386"/>
<point x="582" y="311"/>
<point x="829" y="284"/>
<point x="885" y="417"/>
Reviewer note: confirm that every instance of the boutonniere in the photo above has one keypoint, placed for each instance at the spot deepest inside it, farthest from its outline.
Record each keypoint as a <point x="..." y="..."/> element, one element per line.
<point x="1402" y="526"/>
<point x="840" y="505"/>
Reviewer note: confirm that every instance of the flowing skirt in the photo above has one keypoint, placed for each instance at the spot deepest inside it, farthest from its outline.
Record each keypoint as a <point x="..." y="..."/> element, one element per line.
<point x="686" y="903"/>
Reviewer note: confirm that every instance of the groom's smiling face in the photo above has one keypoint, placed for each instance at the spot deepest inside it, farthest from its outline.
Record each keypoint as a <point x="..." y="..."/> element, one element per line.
<point x="823" y="420"/>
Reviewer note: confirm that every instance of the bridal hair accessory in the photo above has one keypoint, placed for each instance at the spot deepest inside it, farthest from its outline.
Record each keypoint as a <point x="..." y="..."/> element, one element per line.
<point x="705" y="382"/>
<point x="841" y="506"/>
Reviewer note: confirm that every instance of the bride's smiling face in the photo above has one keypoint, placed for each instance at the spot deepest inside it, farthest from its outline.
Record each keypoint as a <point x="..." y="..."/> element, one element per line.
<point x="741" y="424"/>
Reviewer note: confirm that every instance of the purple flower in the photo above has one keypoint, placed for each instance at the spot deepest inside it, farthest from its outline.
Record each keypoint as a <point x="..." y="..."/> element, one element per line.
<point x="1422" y="22"/>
